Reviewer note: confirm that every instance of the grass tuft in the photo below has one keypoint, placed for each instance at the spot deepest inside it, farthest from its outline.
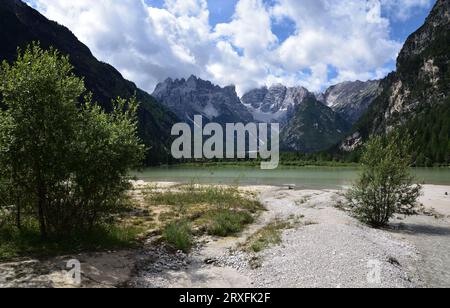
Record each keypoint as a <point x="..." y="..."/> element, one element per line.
<point x="268" y="236"/>
<point x="179" y="235"/>
<point x="224" y="222"/>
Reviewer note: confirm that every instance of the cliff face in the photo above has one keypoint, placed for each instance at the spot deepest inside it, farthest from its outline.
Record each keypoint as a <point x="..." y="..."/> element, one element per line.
<point x="20" y="25"/>
<point x="351" y="99"/>
<point x="420" y="85"/>
<point x="194" y="96"/>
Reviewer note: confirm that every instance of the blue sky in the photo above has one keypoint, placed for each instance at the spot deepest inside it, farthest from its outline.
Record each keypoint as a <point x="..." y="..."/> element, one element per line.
<point x="249" y="43"/>
<point x="221" y="11"/>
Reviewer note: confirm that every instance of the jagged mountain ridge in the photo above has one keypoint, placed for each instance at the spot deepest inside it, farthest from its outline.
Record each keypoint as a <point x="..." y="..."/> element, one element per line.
<point x="274" y="104"/>
<point x="20" y="25"/>
<point x="194" y="96"/>
<point x="307" y="125"/>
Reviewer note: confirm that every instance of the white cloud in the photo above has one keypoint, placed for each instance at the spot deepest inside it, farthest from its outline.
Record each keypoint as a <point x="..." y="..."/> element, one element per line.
<point x="333" y="41"/>
<point x="349" y="36"/>
<point x="250" y="28"/>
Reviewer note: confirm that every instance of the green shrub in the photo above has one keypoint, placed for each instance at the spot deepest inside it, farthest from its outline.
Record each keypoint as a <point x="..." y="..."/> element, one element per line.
<point x="385" y="186"/>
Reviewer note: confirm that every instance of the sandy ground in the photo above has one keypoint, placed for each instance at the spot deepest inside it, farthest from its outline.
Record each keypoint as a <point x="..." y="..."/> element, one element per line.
<point x="331" y="250"/>
<point x="430" y="234"/>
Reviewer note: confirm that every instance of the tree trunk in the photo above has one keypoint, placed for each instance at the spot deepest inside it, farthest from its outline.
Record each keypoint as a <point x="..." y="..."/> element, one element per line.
<point x="18" y="217"/>
<point x="41" y="204"/>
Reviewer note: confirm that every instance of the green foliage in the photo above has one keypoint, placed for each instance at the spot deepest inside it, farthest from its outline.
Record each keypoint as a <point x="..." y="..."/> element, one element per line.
<point x="179" y="235"/>
<point x="427" y="102"/>
<point x="385" y="186"/>
<point x="28" y="242"/>
<point x="430" y="132"/>
<point x="61" y="155"/>
<point x="226" y="222"/>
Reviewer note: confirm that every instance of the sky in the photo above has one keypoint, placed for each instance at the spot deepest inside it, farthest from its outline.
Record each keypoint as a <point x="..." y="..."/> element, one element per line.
<point x="247" y="43"/>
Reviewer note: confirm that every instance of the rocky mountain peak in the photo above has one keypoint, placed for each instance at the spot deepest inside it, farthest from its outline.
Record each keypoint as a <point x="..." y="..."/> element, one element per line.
<point x="194" y="96"/>
<point x="275" y="103"/>
<point x="437" y="22"/>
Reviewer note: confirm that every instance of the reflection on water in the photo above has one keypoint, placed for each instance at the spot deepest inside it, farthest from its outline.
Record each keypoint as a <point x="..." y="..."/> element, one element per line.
<point x="302" y="177"/>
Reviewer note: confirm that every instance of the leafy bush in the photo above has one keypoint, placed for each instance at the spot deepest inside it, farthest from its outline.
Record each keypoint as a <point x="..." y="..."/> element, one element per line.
<point x="179" y="235"/>
<point x="385" y="186"/>
<point x="64" y="159"/>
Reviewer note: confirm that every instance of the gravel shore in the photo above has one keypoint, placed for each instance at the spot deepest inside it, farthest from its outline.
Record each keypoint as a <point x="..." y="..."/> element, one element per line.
<point x="328" y="248"/>
<point x="332" y="250"/>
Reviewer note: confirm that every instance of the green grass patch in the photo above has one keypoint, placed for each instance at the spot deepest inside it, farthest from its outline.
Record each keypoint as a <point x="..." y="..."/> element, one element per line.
<point x="225" y="222"/>
<point x="213" y="210"/>
<point x="271" y="234"/>
<point x="179" y="235"/>
<point x="191" y="195"/>
<point x="268" y="236"/>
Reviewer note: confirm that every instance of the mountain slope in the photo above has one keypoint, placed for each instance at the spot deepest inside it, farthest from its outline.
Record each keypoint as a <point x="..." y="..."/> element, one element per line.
<point x="313" y="127"/>
<point x="20" y="25"/>
<point x="418" y="88"/>
<point x="194" y="96"/>
<point x="351" y="99"/>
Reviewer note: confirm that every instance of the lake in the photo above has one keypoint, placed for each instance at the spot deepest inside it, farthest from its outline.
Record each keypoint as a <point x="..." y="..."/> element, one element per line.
<point x="302" y="177"/>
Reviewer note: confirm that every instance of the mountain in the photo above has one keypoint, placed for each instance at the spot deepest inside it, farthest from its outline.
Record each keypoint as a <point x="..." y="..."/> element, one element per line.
<point x="415" y="98"/>
<point x="195" y="96"/>
<point x="351" y="99"/>
<point x="313" y="127"/>
<point x="20" y="25"/>
<point x="307" y="125"/>
<point x="274" y="104"/>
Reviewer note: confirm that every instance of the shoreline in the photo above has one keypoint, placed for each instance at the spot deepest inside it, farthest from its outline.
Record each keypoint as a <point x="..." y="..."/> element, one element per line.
<point x="303" y="177"/>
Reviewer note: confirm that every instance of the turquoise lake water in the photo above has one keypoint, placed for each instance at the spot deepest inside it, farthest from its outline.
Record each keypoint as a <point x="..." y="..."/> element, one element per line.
<point x="302" y="177"/>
